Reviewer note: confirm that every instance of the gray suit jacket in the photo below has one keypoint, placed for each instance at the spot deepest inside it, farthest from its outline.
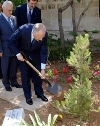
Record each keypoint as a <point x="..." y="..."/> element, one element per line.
<point x="5" y="32"/>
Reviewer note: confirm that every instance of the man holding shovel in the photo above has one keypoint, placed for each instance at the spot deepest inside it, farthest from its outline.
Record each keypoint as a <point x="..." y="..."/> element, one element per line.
<point x="31" y="39"/>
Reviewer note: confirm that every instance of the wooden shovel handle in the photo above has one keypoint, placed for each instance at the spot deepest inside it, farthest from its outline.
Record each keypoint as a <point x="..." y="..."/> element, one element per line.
<point x="25" y="59"/>
<point x="34" y="68"/>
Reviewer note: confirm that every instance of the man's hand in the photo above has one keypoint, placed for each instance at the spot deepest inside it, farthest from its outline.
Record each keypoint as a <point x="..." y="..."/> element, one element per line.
<point x="0" y="54"/>
<point x="20" y="57"/>
<point x="43" y="73"/>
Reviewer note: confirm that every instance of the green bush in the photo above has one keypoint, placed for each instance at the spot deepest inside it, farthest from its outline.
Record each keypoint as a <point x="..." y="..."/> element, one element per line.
<point x="15" y="2"/>
<point x="78" y="101"/>
<point x="55" y="50"/>
<point x="18" y="2"/>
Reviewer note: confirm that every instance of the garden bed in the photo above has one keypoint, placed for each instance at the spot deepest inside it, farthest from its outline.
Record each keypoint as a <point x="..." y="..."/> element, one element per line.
<point x="62" y="80"/>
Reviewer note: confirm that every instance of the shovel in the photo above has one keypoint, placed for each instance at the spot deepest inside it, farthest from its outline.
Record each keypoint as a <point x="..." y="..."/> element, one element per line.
<point x="52" y="88"/>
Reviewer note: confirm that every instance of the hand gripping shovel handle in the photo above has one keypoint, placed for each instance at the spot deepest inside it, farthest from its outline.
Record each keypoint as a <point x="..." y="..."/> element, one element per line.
<point x="44" y="79"/>
<point x="25" y="59"/>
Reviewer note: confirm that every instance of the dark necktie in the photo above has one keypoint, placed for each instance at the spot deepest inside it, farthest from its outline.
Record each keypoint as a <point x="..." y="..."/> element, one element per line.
<point x="33" y="41"/>
<point x="11" y="23"/>
<point x="29" y="16"/>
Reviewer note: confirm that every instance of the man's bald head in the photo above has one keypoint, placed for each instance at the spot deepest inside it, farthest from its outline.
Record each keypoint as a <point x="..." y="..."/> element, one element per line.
<point x="39" y="27"/>
<point x="7" y="7"/>
<point x="39" y="31"/>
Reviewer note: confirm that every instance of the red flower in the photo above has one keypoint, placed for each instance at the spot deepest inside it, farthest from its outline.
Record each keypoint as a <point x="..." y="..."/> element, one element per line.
<point x="69" y="80"/>
<point x="98" y="71"/>
<point x="55" y="71"/>
<point x="64" y="70"/>
<point x="95" y="74"/>
<point x="55" y="78"/>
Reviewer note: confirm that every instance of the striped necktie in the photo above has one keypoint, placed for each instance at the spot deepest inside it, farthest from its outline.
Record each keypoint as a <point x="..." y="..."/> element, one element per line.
<point x="29" y="16"/>
<point x="11" y="23"/>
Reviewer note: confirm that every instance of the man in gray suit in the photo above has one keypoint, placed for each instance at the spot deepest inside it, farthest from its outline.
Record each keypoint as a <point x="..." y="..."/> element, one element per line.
<point x="8" y="61"/>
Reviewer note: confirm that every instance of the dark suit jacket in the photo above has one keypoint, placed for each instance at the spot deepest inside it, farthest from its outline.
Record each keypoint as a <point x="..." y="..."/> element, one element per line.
<point x="36" y="50"/>
<point x="5" y="32"/>
<point x="21" y="14"/>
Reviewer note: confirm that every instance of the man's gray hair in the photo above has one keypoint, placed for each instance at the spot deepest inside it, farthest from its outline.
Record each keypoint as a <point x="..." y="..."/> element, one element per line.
<point x="39" y="27"/>
<point x="5" y="4"/>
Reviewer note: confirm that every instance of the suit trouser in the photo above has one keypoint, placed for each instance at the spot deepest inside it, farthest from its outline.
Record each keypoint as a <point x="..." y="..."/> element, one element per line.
<point x="9" y="70"/>
<point x="0" y="68"/>
<point x="25" y="76"/>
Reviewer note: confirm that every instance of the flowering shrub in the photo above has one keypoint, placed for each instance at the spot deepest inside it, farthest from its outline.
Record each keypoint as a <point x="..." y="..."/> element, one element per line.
<point x="62" y="74"/>
<point x="95" y="71"/>
<point x="96" y="75"/>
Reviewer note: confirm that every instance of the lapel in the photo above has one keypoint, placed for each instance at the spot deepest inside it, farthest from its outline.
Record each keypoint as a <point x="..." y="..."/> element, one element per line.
<point x="34" y="14"/>
<point x="6" y="22"/>
<point x="35" y="44"/>
<point x="28" y="35"/>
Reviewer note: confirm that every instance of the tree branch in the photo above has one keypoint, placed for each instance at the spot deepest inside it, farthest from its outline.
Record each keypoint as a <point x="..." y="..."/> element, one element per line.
<point x="78" y="23"/>
<point x="73" y="17"/>
<point x="66" y="6"/>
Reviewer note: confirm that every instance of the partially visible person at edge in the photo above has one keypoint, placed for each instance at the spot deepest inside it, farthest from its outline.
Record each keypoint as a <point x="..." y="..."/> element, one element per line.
<point x="32" y="40"/>
<point x="22" y="13"/>
<point x="8" y="61"/>
<point x="0" y="57"/>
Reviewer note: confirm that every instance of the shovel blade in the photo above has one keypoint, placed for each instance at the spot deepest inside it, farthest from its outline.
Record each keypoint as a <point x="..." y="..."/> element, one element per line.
<point x="54" y="88"/>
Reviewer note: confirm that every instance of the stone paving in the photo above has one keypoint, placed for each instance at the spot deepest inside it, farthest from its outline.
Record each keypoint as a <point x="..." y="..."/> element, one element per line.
<point x="16" y="97"/>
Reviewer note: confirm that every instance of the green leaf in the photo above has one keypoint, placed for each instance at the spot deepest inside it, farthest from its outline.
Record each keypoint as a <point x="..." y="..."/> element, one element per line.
<point x="33" y="121"/>
<point x="78" y="1"/>
<point x="25" y="123"/>
<point x="44" y="124"/>
<point x="53" y="120"/>
<point x="86" y="31"/>
<point x="49" y="120"/>
<point x="95" y="31"/>
<point x="37" y="119"/>
<point x="73" y="33"/>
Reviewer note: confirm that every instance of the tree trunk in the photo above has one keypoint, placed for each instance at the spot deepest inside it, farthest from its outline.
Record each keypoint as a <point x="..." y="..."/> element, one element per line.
<point x="60" y="10"/>
<point x="61" y="31"/>
<point x="73" y="19"/>
<point x="81" y="15"/>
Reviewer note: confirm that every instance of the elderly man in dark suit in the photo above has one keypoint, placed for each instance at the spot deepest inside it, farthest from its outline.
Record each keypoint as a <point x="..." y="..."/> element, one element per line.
<point x="8" y="61"/>
<point x="28" y="13"/>
<point x="32" y="40"/>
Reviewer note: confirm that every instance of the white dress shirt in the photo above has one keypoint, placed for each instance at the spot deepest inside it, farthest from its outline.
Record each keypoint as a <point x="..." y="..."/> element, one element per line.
<point x="28" y="10"/>
<point x="7" y="18"/>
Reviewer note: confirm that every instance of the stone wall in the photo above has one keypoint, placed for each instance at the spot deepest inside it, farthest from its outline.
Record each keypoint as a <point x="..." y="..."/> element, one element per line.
<point x="90" y="21"/>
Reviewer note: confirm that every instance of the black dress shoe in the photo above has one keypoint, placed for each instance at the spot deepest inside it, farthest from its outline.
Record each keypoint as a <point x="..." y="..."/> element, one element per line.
<point x="43" y="98"/>
<point x="8" y="88"/>
<point x="16" y="85"/>
<point x="29" y="101"/>
<point x="0" y="76"/>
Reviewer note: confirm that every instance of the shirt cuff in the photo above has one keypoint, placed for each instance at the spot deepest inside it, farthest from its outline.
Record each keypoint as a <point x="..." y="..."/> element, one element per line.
<point x="18" y="54"/>
<point x="43" y="66"/>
